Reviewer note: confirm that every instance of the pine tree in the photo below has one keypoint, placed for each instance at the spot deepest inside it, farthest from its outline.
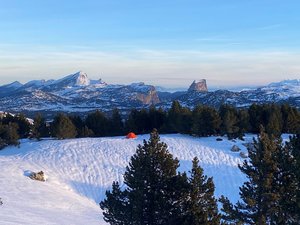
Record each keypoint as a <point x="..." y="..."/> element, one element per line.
<point x="206" y="121"/>
<point x="255" y="117"/>
<point x="293" y="147"/>
<point x="86" y="132"/>
<point x="98" y="123"/>
<point x="62" y="127"/>
<point x="291" y="119"/>
<point x="148" y="180"/>
<point x="201" y="206"/>
<point x="115" y="207"/>
<point x="131" y="124"/>
<point x="259" y="195"/>
<point x="22" y="122"/>
<point x="39" y="128"/>
<point x="174" y="118"/>
<point x="288" y="185"/>
<point x="229" y="125"/>
<point x="9" y="134"/>
<point x="154" y="190"/>
<point x="186" y="121"/>
<point x="273" y="119"/>
<point x="243" y="124"/>
<point x="78" y="123"/>
<point x="157" y="118"/>
<point x="117" y="126"/>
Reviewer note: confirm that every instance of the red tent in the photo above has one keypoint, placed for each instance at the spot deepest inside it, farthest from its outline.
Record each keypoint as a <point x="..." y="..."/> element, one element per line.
<point x="131" y="135"/>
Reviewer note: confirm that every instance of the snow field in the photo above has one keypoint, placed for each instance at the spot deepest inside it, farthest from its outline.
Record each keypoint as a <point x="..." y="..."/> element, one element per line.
<point x="79" y="172"/>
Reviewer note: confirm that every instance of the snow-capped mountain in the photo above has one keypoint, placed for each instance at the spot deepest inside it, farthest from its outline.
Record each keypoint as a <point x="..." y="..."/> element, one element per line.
<point x="74" y="93"/>
<point x="77" y="93"/>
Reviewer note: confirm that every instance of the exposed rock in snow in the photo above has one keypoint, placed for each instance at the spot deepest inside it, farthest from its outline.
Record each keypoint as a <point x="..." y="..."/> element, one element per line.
<point x="37" y="176"/>
<point x="235" y="148"/>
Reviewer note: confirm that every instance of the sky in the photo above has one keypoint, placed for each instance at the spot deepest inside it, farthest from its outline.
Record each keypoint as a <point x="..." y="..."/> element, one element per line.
<point x="168" y="43"/>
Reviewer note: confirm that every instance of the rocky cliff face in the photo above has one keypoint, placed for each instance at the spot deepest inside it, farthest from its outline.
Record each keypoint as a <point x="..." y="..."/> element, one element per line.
<point x="149" y="98"/>
<point x="198" y="86"/>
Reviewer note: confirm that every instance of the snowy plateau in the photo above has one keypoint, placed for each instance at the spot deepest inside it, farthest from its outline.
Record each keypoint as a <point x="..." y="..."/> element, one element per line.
<point x="79" y="171"/>
<point x="77" y="93"/>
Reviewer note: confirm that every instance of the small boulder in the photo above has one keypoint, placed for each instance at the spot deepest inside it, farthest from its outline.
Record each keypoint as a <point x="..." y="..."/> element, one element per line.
<point x="235" y="148"/>
<point x="243" y="155"/>
<point x="219" y="139"/>
<point x="38" y="176"/>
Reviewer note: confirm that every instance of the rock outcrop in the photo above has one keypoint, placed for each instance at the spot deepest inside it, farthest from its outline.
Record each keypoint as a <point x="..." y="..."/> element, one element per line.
<point x="38" y="176"/>
<point x="235" y="148"/>
<point x="198" y="86"/>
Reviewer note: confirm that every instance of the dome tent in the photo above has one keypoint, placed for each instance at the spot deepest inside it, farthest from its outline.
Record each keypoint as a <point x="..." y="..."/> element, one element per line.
<point x="131" y="135"/>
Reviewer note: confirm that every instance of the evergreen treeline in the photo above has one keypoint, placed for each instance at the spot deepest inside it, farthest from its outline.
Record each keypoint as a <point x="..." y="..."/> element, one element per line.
<point x="200" y="121"/>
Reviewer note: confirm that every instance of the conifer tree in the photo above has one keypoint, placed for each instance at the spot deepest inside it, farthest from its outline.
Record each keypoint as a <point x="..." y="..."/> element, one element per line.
<point x="39" y="128"/>
<point x="273" y="119"/>
<point x="117" y="126"/>
<point x="115" y="207"/>
<point x="138" y="121"/>
<point x="243" y="123"/>
<point x="229" y="125"/>
<point x="259" y="194"/>
<point x="78" y="123"/>
<point x="186" y="121"/>
<point x="206" y="121"/>
<point x="157" y="118"/>
<point x="22" y="122"/>
<point x="255" y="117"/>
<point x="86" y="132"/>
<point x="154" y="189"/>
<point x="98" y="123"/>
<point x="148" y="176"/>
<point x="293" y="147"/>
<point x="174" y="120"/>
<point x="131" y="124"/>
<point x="288" y="185"/>
<point x="201" y="206"/>
<point x="9" y="134"/>
<point x="291" y="119"/>
<point x="62" y="127"/>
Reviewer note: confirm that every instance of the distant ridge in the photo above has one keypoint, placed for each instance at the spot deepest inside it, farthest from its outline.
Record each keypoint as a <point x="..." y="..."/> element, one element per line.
<point x="76" y="93"/>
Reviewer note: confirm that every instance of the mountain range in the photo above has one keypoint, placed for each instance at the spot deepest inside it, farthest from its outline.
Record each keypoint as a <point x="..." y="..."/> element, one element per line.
<point x="77" y="93"/>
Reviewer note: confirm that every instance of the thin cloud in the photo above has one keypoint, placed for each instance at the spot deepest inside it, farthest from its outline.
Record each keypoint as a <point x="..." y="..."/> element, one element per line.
<point x="170" y="68"/>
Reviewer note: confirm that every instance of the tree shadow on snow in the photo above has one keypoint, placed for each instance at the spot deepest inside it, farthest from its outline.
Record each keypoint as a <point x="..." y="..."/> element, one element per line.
<point x="91" y="191"/>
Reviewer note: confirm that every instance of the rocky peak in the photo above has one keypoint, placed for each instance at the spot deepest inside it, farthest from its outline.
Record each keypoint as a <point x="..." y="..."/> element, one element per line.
<point x="198" y="86"/>
<point x="82" y="79"/>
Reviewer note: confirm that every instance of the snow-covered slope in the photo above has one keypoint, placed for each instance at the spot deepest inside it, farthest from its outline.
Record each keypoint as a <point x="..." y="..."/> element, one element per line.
<point x="80" y="170"/>
<point x="285" y="89"/>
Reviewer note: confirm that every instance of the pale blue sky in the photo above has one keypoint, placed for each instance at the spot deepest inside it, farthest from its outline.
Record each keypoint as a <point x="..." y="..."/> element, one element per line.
<point x="162" y="42"/>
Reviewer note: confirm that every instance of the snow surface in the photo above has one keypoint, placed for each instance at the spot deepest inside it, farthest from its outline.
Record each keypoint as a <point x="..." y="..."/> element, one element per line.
<point x="80" y="170"/>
